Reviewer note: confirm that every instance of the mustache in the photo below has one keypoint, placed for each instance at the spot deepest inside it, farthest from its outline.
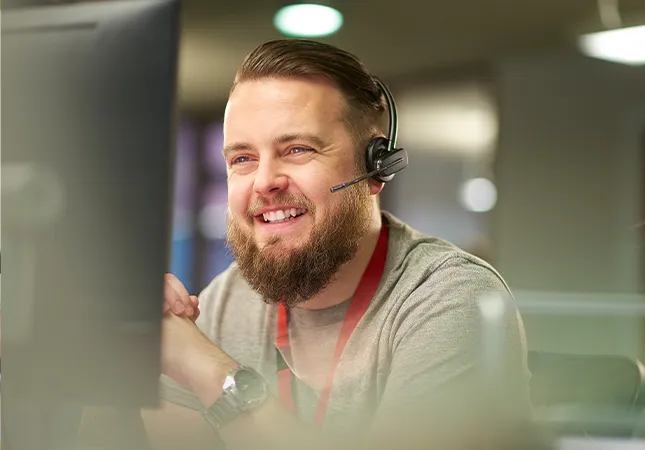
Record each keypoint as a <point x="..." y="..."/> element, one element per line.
<point x="283" y="198"/>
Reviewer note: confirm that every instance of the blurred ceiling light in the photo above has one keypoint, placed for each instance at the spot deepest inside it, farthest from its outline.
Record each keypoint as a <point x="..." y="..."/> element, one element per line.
<point x="617" y="43"/>
<point x="461" y="121"/>
<point x="623" y="45"/>
<point x="212" y="221"/>
<point x="307" y="20"/>
<point x="478" y="195"/>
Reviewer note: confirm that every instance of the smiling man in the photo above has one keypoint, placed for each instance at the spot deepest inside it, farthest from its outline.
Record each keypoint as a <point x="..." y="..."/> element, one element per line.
<point x="288" y="232"/>
<point x="338" y="325"/>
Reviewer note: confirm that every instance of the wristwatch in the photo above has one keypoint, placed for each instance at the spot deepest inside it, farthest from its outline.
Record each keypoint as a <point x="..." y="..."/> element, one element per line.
<point x="244" y="390"/>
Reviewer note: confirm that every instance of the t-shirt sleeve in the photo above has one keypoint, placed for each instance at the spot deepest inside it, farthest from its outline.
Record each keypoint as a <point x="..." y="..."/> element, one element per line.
<point x="439" y="376"/>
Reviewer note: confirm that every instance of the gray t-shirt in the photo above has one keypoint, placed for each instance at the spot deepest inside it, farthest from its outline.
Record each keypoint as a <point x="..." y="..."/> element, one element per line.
<point x="417" y="351"/>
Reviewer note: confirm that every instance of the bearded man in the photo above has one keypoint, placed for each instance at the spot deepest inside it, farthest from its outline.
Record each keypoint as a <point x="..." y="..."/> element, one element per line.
<point x="338" y="325"/>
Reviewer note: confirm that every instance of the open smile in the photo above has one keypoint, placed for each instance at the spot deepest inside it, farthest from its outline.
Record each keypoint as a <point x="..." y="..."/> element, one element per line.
<point x="277" y="219"/>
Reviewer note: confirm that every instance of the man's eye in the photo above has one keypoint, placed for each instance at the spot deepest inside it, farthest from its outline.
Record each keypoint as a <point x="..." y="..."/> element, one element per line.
<point x="300" y="150"/>
<point x="239" y="160"/>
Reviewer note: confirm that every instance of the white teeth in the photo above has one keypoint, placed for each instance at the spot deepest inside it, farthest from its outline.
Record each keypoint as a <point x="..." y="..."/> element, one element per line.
<point x="277" y="216"/>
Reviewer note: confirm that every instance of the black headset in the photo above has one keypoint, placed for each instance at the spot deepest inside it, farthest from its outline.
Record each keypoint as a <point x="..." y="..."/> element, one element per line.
<point x="382" y="157"/>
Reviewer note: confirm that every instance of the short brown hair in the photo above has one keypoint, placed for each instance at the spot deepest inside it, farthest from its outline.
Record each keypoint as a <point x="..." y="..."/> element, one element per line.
<point x="302" y="58"/>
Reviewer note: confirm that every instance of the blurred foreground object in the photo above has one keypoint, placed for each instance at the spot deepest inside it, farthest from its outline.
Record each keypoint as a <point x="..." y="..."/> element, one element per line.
<point x="89" y="105"/>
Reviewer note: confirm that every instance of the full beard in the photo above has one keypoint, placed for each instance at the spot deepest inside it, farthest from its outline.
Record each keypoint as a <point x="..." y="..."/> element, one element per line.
<point x="293" y="276"/>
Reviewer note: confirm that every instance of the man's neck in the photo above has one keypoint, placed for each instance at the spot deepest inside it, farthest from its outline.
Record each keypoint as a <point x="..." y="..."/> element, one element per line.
<point x="349" y="275"/>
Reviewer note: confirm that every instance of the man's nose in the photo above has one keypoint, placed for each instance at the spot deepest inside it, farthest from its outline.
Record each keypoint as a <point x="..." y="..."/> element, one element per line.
<point x="269" y="178"/>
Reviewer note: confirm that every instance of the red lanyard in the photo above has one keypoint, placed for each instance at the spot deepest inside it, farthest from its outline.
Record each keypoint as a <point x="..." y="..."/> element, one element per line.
<point x="362" y="297"/>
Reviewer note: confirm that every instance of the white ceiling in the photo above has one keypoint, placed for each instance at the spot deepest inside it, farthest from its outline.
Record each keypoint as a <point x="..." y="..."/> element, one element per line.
<point x="393" y="38"/>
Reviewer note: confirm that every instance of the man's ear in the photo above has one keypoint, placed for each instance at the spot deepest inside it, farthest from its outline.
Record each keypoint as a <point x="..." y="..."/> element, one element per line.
<point x="375" y="186"/>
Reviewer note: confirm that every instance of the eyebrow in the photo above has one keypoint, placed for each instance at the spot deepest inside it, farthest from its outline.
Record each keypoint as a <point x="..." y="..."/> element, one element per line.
<point x="283" y="139"/>
<point x="236" y="147"/>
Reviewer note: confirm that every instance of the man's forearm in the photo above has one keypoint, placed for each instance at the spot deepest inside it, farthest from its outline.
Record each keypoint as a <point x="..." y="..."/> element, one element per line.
<point x="206" y="373"/>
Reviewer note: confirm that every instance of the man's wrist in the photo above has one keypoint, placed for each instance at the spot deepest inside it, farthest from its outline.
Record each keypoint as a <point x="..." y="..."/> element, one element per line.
<point x="206" y="374"/>
<point x="244" y="391"/>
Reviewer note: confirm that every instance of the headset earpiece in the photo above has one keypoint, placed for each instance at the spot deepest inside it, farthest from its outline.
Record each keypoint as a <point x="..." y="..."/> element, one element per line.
<point x="382" y="154"/>
<point x="377" y="149"/>
<point x="382" y="157"/>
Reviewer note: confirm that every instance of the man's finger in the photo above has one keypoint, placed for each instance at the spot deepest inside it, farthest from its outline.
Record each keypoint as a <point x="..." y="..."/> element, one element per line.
<point x="180" y="302"/>
<point x="195" y="302"/>
<point x="174" y="303"/>
<point x="170" y="298"/>
<point x="177" y="286"/>
<point x="178" y="308"/>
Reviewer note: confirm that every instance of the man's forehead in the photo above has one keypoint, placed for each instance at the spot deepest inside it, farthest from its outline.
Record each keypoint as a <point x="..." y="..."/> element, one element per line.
<point x="283" y="108"/>
<point x="314" y="97"/>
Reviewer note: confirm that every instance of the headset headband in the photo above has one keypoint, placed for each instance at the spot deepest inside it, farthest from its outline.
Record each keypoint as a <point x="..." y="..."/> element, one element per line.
<point x="393" y="119"/>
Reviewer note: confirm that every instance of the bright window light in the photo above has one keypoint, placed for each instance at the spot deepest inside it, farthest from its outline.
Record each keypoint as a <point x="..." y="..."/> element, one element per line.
<point x="478" y="195"/>
<point x="622" y="45"/>
<point x="308" y="20"/>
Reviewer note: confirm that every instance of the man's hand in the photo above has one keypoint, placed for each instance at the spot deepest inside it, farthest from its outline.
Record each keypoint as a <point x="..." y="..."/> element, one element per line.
<point x="188" y="356"/>
<point x="191" y="359"/>
<point x="177" y="300"/>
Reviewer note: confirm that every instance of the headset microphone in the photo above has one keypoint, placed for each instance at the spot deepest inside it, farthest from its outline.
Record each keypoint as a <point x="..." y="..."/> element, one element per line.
<point x="382" y="157"/>
<point x="372" y="173"/>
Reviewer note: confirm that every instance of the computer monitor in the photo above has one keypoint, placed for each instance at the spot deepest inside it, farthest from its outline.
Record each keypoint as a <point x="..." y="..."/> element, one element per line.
<point x="87" y="174"/>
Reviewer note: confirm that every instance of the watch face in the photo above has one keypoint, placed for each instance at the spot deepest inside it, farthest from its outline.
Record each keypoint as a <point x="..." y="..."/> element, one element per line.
<point x="249" y="386"/>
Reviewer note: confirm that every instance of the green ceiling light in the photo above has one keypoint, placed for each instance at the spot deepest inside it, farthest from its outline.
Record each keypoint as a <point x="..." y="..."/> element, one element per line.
<point x="307" y="20"/>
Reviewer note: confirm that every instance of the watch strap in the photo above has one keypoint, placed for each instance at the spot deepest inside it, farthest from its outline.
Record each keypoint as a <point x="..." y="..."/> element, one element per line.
<point x="222" y="411"/>
<point x="229" y="405"/>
